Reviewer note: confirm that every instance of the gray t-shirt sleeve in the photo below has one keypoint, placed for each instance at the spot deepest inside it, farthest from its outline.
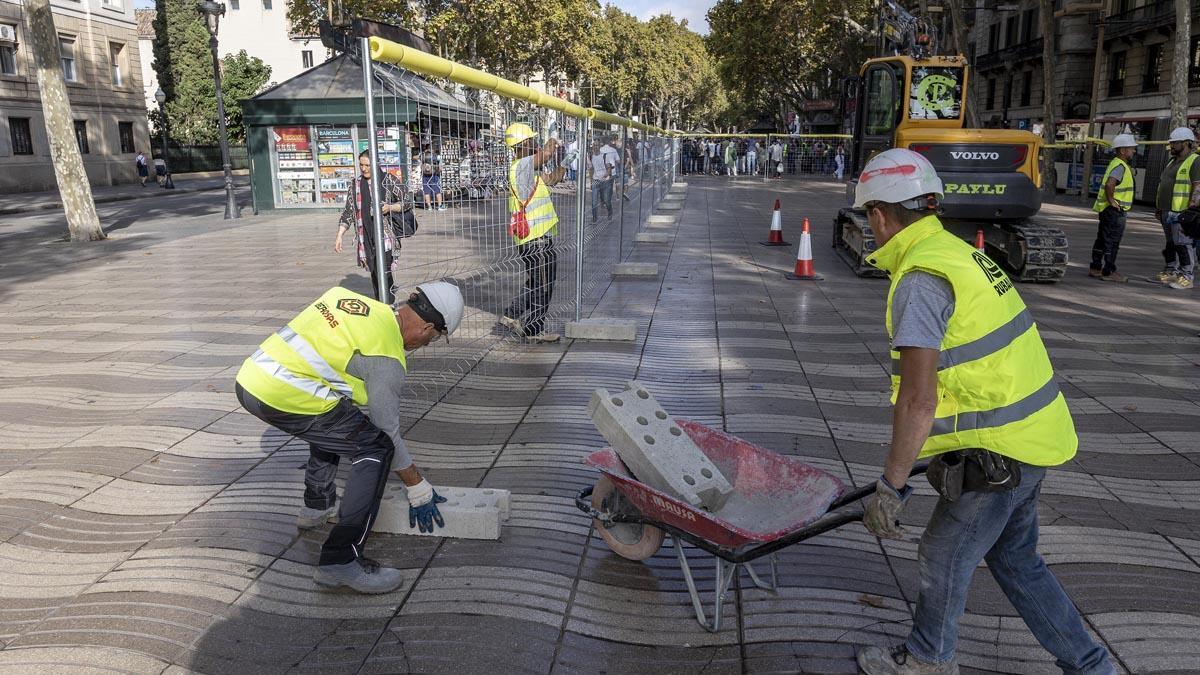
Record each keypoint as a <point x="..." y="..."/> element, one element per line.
<point x="526" y="180"/>
<point x="921" y="309"/>
<point x="1118" y="173"/>
<point x="384" y="379"/>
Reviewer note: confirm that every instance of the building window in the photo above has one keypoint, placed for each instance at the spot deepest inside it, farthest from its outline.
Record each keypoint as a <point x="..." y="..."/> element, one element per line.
<point x="991" y="94"/>
<point x="1122" y="6"/>
<point x="67" y="46"/>
<point x="1026" y="87"/>
<point x="235" y="5"/>
<point x="1194" y="64"/>
<point x="1116" y="74"/>
<point x="112" y="4"/>
<point x="116" y="54"/>
<point x="8" y="49"/>
<point x="125" y="132"/>
<point x="81" y="137"/>
<point x="993" y="37"/>
<point x="306" y="58"/>
<point x="1154" y="62"/>
<point x="22" y="140"/>
<point x="1028" y="24"/>
<point x="1010" y="31"/>
<point x="267" y="5"/>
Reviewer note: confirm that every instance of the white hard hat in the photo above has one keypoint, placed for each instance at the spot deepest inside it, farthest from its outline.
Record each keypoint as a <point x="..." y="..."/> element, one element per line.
<point x="1182" y="134"/>
<point x="1124" y="141"/>
<point x="896" y="176"/>
<point x="447" y="300"/>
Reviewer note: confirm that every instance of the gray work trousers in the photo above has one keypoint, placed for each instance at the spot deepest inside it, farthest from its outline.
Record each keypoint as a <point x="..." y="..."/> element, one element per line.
<point x="1179" y="255"/>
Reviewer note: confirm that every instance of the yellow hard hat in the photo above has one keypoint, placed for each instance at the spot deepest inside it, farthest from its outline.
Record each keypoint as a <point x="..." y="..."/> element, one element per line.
<point x="517" y="132"/>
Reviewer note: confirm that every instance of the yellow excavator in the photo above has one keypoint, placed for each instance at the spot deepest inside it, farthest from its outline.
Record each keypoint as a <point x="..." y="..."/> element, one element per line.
<point x="916" y="100"/>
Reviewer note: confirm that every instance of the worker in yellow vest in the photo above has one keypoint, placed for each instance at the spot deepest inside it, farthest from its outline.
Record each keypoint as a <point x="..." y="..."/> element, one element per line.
<point x="973" y="390"/>
<point x="532" y="225"/>
<point x="1178" y="189"/>
<point x="1112" y="203"/>
<point x="346" y="350"/>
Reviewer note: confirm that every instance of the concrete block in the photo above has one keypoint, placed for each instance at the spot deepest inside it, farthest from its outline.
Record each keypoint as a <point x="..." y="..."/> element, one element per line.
<point x="662" y="219"/>
<point x="655" y="449"/>
<point x="670" y="205"/>
<point x="470" y="513"/>
<point x="635" y="269"/>
<point x="603" y="329"/>
<point x="679" y="185"/>
<point x="652" y="238"/>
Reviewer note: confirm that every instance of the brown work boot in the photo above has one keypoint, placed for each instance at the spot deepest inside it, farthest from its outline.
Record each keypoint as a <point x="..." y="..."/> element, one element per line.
<point x="875" y="661"/>
<point x="1115" y="277"/>
<point x="1094" y="273"/>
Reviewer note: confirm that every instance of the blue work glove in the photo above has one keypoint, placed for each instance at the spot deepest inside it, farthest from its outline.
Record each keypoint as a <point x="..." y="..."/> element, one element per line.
<point x="422" y="507"/>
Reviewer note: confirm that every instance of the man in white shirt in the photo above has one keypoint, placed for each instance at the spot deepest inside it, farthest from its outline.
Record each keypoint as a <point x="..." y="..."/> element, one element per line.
<point x="604" y="161"/>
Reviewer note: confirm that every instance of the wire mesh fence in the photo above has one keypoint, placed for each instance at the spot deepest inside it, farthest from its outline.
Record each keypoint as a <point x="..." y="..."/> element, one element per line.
<point x="453" y="172"/>
<point x="765" y="156"/>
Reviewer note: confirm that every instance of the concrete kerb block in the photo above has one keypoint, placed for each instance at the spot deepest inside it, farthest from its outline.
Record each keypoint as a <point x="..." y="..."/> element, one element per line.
<point x="652" y="238"/>
<point x="635" y="269"/>
<point x="624" y="330"/>
<point x="662" y="219"/>
<point x="655" y="449"/>
<point x="470" y="513"/>
<point x="679" y="185"/>
<point x="670" y="205"/>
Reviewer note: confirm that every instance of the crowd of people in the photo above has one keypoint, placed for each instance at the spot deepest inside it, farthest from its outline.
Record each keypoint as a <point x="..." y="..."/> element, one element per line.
<point x="773" y="156"/>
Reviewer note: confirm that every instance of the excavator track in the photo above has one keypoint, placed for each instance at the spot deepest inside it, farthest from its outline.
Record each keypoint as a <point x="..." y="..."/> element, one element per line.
<point x="1029" y="250"/>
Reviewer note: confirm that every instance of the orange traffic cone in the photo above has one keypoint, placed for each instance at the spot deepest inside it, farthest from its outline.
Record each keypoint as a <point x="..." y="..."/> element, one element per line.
<point x="979" y="242"/>
<point x="775" y="236"/>
<point x="804" y="262"/>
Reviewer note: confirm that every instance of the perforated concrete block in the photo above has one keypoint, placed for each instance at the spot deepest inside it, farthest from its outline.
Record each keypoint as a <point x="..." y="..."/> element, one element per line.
<point x="603" y="329"/>
<point x="635" y="269"/>
<point x="655" y="449"/>
<point x="652" y="238"/>
<point x="470" y="513"/>
<point x="662" y="219"/>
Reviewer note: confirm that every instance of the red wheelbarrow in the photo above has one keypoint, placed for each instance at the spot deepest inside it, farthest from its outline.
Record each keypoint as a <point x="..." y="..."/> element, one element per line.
<point x="777" y="501"/>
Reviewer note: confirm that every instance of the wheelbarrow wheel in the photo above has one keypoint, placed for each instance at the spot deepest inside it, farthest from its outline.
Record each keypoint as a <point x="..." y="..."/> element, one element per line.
<point x="632" y="541"/>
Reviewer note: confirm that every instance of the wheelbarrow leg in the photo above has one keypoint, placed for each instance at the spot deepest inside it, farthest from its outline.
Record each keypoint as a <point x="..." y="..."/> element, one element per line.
<point x="774" y="575"/>
<point x="725" y="573"/>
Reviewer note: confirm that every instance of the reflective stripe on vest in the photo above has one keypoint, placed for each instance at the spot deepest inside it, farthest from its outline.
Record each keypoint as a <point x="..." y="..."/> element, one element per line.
<point x="995" y="385"/>
<point x="1123" y="192"/>
<point x="315" y="361"/>
<point x="540" y="212"/>
<point x="277" y="370"/>
<point x="1181" y="193"/>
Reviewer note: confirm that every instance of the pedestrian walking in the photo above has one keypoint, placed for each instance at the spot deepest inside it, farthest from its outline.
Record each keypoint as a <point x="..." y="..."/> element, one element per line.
<point x="143" y="171"/>
<point x="839" y="162"/>
<point x="752" y="157"/>
<point x="602" y="164"/>
<point x="357" y="215"/>
<point x="431" y="180"/>
<point x="1112" y="203"/>
<point x="342" y="351"/>
<point x="533" y="224"/>
<point x="1178" y="189"/>
<point x="973" y="390"/>
<point x="160" y="170"/>
<point x="775" y="154"/>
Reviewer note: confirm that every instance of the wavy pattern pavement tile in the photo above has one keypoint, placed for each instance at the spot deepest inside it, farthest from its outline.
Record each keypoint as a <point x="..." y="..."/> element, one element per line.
<point x="125" y="497"/>
<point x="37" y="573"/>
<point x="1002" y="644"/>
<point x="1061" y="544"/>
<point x="216" y="574"/>
<point x="85" y="532"/>
<point x="826" y="615"/>
<point x="70" y="346"/>
<point x="1175" y="494"/>
<point x="1138" y="443"/>
<point x="200" y="399"/>
<point x="133" y="436"/>
<point x="871" y="371"/>
<point x="17" y="436"/>
<point x="446" y="643"/>
<point x="81" y="659"/>
<point x="474" y="414"/>
<point x="1145" y="405"/>
<point x="287" y="588"/>
<point x="583" y="654"/>
<point x="55" y="487"/>
<point x="451" y="456"/>
<point x="205" y="445"/>
<point x="515" y="593"/>
<point x="751" y="422"/>
<point x="636" y="616"/>
<point x="1151" y="642"/>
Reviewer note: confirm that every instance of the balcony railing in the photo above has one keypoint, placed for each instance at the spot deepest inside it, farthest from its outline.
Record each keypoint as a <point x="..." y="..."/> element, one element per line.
<point x="1141" y="19"/>
<point x="1022" y="51"/>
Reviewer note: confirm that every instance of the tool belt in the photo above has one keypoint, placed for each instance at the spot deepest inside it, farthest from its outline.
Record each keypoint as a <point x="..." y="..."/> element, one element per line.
<point x="972" y="470"/>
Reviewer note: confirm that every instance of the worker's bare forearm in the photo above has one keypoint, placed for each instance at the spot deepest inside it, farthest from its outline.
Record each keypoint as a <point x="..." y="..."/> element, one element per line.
<point x="409" y="474"/>
<point x="911" y="421"/>
<point x="1110" y="190"/>
<point x="1195" y="200"/>
<point x="555" y="176"/>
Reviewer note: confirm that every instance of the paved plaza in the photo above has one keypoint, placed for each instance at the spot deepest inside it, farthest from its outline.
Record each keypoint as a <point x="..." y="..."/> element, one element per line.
<point x="147" y="523"/>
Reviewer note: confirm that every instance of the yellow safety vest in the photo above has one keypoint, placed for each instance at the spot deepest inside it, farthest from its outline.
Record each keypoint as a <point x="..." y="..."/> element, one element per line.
<point x="302" y="367"/>
<point x="1123" y="193"/>
<point x="995" y="386"/>
<point x="1181" y="194"/>
<point x="543" y="219"/>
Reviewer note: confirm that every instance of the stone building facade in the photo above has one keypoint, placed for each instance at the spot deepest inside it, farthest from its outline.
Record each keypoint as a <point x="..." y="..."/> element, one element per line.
<point x="102" y="66"/>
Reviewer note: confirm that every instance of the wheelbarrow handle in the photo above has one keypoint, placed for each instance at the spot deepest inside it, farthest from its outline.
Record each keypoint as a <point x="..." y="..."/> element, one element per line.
<point x="869" y="489"/>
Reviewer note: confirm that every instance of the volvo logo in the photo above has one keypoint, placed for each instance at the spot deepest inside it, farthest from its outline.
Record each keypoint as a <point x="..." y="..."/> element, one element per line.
<point x="974" y="155"/>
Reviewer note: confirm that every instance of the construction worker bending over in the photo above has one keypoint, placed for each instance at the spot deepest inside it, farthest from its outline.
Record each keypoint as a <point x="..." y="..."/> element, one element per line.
<point x="1178" y="189"/>
<point x="306" y="379"/>
<point x="973" y="388"/>
<point x="532" y="225"/>
<point x="1112" y="203"/>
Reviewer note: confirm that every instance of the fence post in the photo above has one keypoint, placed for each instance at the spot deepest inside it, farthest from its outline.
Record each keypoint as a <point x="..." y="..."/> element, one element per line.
<point x="364" y="50"/>
<point x="624" y="177"/>
<point x="584" y="145"/>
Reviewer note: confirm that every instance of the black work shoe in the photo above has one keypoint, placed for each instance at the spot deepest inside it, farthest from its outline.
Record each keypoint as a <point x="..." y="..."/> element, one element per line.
<point x="363" y="575"/>
<point x="875" y="661"/>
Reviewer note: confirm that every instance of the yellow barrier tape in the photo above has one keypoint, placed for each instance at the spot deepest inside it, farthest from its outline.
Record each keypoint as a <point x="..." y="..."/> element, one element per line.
<point x="424" y="63"/>
<point x="837" y="136"/>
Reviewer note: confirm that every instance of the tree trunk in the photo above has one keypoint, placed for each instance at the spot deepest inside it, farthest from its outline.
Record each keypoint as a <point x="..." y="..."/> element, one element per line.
<point x="73" y="186"/>
<point x="1049" y="103"/>
<point x="1179" y="76"/>
<point x="958" y="17"/>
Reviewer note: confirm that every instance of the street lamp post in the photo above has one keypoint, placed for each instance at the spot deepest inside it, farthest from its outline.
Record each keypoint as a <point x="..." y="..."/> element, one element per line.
<point x="213" y="11"/>
<point x="161" y="97"/>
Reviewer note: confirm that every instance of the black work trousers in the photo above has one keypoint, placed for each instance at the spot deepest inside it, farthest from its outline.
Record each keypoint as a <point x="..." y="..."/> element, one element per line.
<point x="1108" y="240"/>
<point x="387" y="271"/>
<point x="346" y="432"/>
<point x="541" y="268"/>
